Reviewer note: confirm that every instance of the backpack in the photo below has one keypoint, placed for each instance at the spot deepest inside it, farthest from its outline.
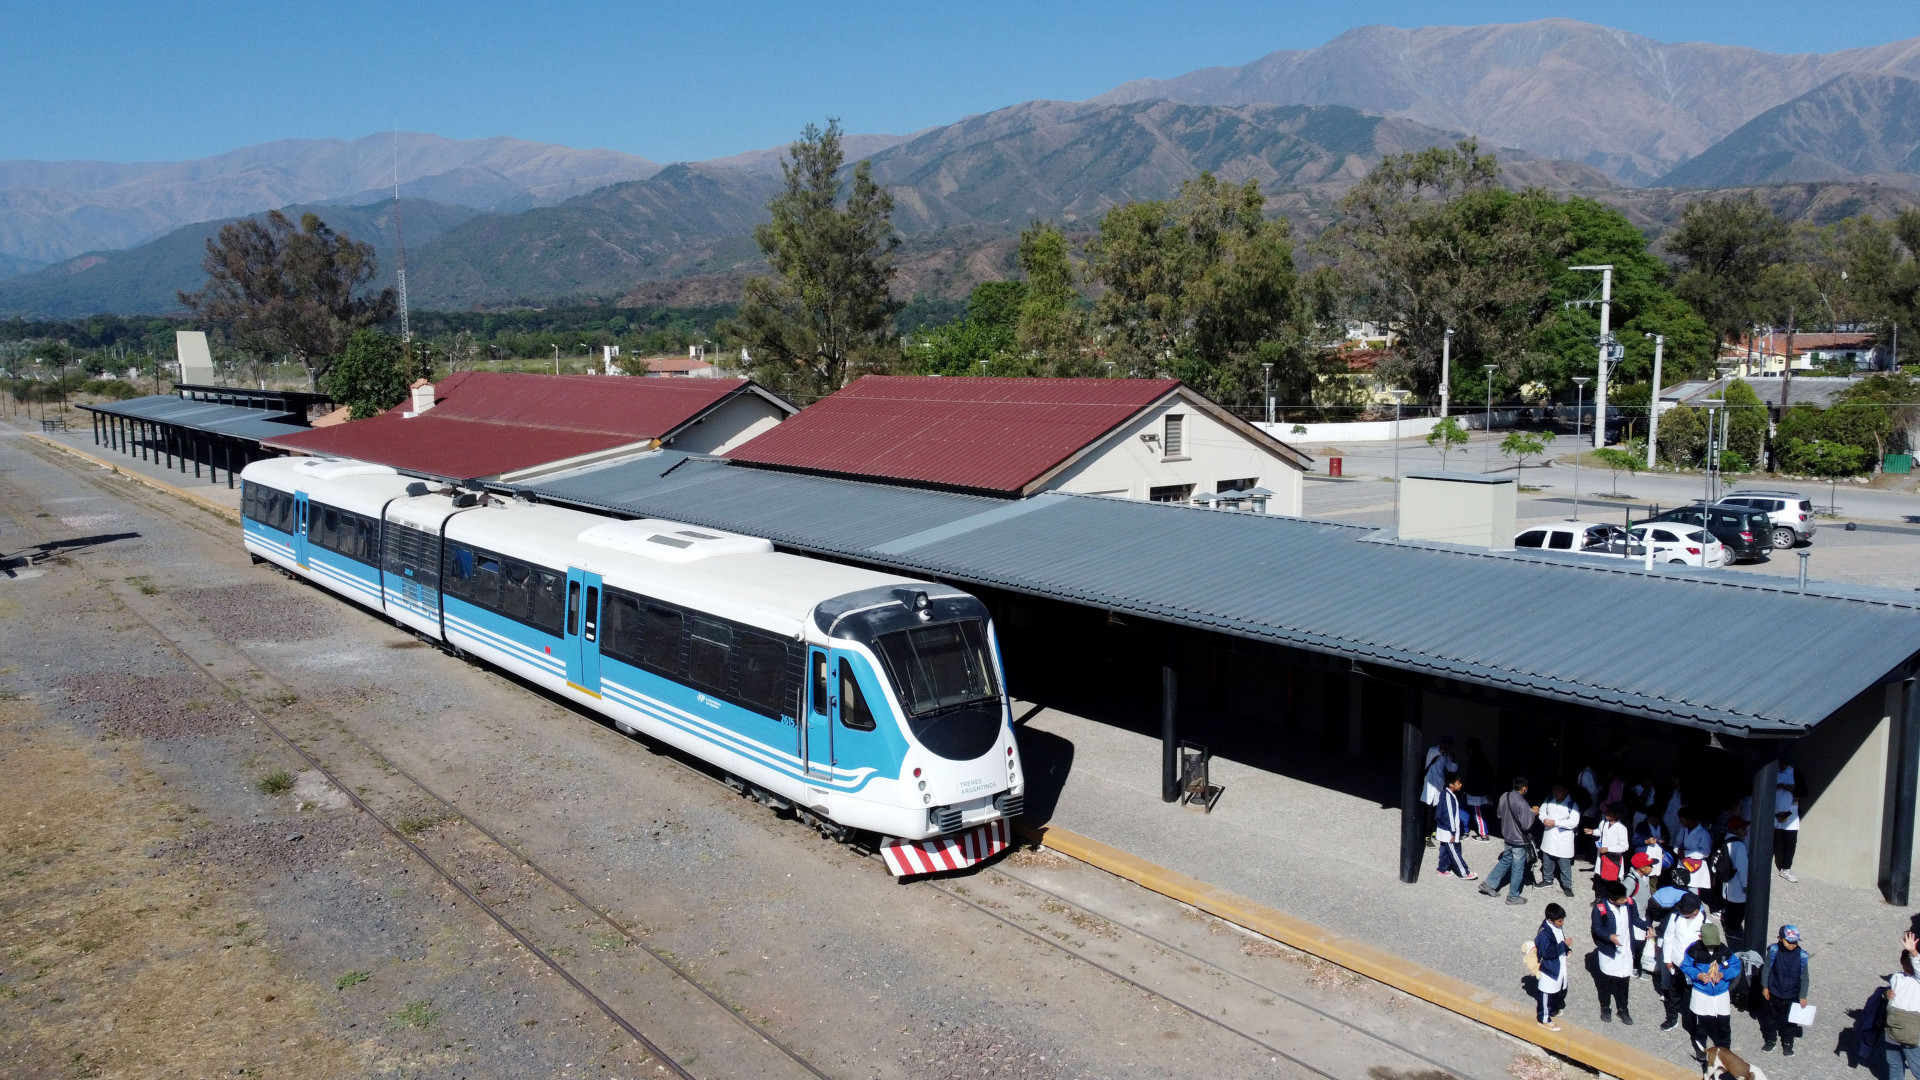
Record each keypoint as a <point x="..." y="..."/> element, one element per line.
<point x="1721" y="864"/>
<point x="1530" y="958"/>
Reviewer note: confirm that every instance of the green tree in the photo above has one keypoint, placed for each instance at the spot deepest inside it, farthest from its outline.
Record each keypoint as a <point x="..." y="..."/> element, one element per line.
<point x="1201" y="287"/>
<point x="1724" y="246"/>
<point x="1566" y="341"/>
<point x="1447" y="436"/>
<point x="982" y="342"/>
<point x="1428" y="241"/>
<point x="1521" y="445"/>
<point x="1747" y="422"/>
<point x="1879" y="407"/>
<point x="828" y="314"/>
<point x="1683" y="436"/>
<point x="1616" y="459"/>
<point x="371" y="374"/>
<point x="1050" y="326"/>
<point x="281" y="290"/>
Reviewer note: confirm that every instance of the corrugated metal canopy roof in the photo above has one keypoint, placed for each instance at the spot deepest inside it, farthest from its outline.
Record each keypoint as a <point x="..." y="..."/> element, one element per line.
<point x="1669" y="646"/>
<point x="231" y="420"/>
<point x="487" y="423"/>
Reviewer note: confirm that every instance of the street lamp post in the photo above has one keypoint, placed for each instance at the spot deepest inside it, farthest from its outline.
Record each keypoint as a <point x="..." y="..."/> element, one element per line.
<point x="1446" y="369"/>
<point x="1268" y="368"/>
<point x="1579" y="401"/>
<point x="1653" y="399"/>
<point x="1398" y="397"/>
<point x="1489" y="369"/>
<point x="556" y="359"/>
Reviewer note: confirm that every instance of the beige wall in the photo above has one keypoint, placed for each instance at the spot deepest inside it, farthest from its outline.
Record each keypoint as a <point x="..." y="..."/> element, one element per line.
<point x="1126" y="466"/>
<point x="1842" y="769"/>
<point x="728" y="426"/>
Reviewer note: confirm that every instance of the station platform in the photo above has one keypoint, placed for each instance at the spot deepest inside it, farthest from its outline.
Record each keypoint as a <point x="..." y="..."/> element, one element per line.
<point x="1332" y="858"/>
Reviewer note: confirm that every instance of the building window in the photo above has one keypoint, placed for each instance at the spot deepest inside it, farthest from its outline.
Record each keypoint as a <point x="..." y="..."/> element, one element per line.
<point x="1174" y="443"/>
<point x="1244" y="484"/>
<point x="1171" y="493"/>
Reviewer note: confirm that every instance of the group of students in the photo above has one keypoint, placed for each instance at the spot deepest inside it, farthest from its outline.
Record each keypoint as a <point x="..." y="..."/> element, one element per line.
<point x="1670" y="884"/>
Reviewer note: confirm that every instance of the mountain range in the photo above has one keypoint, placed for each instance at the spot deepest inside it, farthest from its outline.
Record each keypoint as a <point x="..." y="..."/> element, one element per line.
<point x="1567" y="106"/>
<point x="51" y="211"/>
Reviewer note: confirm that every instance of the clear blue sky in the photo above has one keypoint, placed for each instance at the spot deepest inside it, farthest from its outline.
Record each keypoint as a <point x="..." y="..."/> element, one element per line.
<point x="128" y="81"/>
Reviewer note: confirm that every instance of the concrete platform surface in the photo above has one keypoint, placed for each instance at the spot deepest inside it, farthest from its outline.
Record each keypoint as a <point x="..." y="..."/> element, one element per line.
<point x="1332" y="859"/>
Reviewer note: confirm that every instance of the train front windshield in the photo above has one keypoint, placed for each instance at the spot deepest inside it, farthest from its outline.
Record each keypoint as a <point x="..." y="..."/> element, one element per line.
<point x="944" y="676"/>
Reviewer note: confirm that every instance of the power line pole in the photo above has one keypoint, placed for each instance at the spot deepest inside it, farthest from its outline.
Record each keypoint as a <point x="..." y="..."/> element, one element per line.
<point x="1606" y="347"/>
<point x="1446" y="366"/>
<point x="1653" y="398"/>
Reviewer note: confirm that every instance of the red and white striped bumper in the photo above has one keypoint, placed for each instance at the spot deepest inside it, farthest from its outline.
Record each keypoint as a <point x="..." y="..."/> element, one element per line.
<point x="956" y="852"/>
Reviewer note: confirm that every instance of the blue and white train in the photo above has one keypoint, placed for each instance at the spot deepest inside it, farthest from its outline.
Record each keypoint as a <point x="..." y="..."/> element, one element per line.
<point x="865" y="701"/>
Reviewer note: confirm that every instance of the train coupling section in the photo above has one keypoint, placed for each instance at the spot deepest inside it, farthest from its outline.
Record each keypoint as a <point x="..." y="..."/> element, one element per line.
<point x="956" y="851"/>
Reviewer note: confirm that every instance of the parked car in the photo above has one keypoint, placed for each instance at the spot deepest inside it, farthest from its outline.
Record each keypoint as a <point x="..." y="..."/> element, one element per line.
<point x="1791" y="513"/>
<point x="1588" y="536"/>
<point x="1747" y="533"/>
<point x="1689" y="545"/>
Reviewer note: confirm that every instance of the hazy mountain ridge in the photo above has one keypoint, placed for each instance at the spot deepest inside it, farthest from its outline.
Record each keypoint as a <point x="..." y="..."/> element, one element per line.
<point x="1628" y="104"/>
<point x="1853" y="125"/>
<point x="50" y="211"/>
<point x="145" y="279"/>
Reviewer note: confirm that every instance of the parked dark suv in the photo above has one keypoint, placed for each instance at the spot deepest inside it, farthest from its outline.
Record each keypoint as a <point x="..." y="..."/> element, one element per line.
<point x="1746" y="533"/>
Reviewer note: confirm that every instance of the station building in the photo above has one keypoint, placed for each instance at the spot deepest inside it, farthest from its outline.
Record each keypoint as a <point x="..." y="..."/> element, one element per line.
<point x="1147" y="439"/>
<point x="218" y="429"/>
<point x="1337" y="653"/>
<point x="509" y="427"/>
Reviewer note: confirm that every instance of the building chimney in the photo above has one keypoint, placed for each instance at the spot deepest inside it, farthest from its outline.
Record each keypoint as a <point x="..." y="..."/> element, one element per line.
<point x="422" y="396"/>
<point x="1473" y="509"/>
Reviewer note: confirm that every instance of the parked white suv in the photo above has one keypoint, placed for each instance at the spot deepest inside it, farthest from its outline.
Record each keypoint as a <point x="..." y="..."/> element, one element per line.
<point x="1789" y="511"/>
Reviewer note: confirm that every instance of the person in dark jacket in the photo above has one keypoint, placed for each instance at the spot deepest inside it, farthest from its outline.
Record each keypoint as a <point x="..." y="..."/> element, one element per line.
<point x="1448" y="825"/>
<point x="1479" y="790"/>
<point x="1550" y="945"/>
<point x="1617" y="928"/>
<point x="1516" y="828"/>
<point x="1789" y="982"/>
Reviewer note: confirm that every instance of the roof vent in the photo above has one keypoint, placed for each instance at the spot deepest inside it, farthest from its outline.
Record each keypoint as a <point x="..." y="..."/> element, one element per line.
<point x="668" y="541"/>
<point x="416" y="489"/>
<point x="1473" y="509"/>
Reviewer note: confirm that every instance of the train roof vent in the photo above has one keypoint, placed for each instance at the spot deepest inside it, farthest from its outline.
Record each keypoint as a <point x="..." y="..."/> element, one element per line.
<point x="669" y="541"/>
<point x="324" y="468"/>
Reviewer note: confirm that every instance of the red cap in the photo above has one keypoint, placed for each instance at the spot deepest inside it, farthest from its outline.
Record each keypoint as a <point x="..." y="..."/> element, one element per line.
<point x="1642" y="861"/>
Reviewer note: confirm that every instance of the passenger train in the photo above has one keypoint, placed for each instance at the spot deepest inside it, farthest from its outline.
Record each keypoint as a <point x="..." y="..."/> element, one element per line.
<point x="863" y="700"/>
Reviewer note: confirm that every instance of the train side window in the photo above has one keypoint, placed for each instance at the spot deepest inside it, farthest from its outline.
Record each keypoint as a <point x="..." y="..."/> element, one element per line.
<point x="485" y="585"/>
<point x="853" y="704"/>
<point x="457" y="576"/>
<point x="709" y="648"/>
<point x="546" y="610"/>
<point x="763" y="672"/>
<point x="820" y="684"/>
<point x="590" y="629"/>
<point x="662" y="643"/>
<point x="514" y="589"/>
<point x="573" y="608"/>
<point x="621" y="637"/>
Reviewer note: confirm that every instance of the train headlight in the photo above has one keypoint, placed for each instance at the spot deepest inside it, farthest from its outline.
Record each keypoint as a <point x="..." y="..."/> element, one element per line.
<point x="923" y="785"/>
<point x="927" y="799"/>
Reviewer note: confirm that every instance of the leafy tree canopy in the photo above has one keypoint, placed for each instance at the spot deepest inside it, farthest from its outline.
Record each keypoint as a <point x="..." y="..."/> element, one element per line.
<point x="371" y="374"/>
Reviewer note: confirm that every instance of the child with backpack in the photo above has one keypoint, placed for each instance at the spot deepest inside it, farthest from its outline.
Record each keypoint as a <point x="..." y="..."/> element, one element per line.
<point x="1547" y="960"/>
<point x="1789" y="981"/>
<point x="1616" y="928"/>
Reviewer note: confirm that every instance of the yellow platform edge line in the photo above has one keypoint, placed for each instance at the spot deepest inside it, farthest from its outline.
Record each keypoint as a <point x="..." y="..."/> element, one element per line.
<point x="1454" y="995"/>
<point x="200" y="501"/>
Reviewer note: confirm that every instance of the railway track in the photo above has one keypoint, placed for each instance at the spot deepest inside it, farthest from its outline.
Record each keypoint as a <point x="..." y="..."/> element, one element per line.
<point x="354" y="766"/>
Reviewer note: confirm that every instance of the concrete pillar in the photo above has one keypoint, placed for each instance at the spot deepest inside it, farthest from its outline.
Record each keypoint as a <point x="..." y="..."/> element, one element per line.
<point x="1764" y="767"/>
<point x="1169" y="733"/>
<point x="1903" y="779"/>
<point x="1412" y="770"/>
<point x="1356" y="713"/>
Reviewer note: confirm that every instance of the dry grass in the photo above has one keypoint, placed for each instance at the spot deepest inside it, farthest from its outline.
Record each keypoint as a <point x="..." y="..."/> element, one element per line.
<point x="118" y="964"/>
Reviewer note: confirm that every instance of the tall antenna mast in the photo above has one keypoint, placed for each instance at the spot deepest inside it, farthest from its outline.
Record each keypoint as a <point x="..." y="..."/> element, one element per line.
<point x="400" y="240"/>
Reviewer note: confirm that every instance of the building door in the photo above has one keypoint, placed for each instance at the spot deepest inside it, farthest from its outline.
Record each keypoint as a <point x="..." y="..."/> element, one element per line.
<point x="816" y="729"/>
<point x="300" y="528"/>
<point x="583" y="631"/>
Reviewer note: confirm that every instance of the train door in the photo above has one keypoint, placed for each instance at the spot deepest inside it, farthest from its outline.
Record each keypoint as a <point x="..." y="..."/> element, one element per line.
<point x="583" y="631"/>
<point x="300" y="528"/>
<point x="816" y="729"/>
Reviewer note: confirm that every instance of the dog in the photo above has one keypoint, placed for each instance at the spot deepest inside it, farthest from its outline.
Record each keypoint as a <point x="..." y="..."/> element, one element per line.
<point x="1727" y="1065"/>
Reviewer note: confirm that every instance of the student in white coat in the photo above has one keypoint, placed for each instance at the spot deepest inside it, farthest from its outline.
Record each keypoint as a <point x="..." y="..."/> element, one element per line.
<point x="1695" y="842"/>
<point x="1786" y="821"/>
<point x="1560" y="817"/>
<point x="1611" y="844"/>
<point x="1734" y="890"/>
<point x="1683" y="929"/>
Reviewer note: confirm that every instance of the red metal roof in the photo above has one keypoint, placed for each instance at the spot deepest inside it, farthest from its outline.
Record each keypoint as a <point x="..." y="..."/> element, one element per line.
<point x="981" y="434"/>
<point x="485" y="423"/>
